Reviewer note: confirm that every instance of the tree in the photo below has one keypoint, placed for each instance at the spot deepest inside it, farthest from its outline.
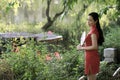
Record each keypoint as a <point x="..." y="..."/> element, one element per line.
<point x="67" y="5"/>
<point x="6" y="6"/>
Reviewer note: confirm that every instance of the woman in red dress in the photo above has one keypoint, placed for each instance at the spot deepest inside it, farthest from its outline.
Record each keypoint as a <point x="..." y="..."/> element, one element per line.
<point x="93" y="39"/>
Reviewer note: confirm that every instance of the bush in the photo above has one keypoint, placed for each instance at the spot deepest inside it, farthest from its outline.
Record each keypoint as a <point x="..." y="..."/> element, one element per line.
<point x="27" y="64"/>
<point x="107" y="71"/>
<point x="5" y="71"/>
<point x="112" y="38"/>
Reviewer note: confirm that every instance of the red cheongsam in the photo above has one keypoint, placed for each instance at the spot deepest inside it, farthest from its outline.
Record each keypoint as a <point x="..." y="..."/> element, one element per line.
<point x="92" y="60"/>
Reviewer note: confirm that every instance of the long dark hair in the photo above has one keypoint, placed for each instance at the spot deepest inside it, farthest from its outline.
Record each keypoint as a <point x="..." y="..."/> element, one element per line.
<point x="95" y="16"/>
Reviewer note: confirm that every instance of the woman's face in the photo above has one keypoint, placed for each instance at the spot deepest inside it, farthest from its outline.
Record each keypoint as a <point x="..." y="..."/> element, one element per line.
<point x="91" y="21"/>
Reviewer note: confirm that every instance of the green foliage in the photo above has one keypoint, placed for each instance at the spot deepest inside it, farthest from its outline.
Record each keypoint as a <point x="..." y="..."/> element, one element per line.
<point x="101" y="52"/>
<point x="70" y="3"/>
<point x="27" y="64"/>
<point x="24" y="27"/>
<point x="106" y="71"/>
<point x="7" y="5"/>
<point x="70" y="35"/>
<point x="112" y="38"/>
<point x="5" y="70"/>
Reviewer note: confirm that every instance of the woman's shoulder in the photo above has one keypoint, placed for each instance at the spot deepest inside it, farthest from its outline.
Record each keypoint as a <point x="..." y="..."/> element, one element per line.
<point x="95" y="31"/>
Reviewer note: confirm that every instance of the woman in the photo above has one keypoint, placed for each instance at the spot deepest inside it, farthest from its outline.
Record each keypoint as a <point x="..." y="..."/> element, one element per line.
<point x="93" y="39"/>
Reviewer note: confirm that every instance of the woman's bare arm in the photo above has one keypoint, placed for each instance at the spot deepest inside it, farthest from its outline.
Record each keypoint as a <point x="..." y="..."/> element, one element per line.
<point x="94" y="45"/>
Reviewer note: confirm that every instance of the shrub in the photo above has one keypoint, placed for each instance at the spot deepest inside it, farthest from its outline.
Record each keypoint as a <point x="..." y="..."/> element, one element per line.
<point x="107" y="71"/>
<point x="112" y="38"/>
<point x="5" y="71"/>
<point x="27" y="64"/>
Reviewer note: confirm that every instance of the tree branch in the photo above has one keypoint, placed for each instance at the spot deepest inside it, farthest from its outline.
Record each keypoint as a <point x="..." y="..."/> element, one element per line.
<point x="49" y="21"/>
<point x="58" y="14"/>
<point x="48" y="10"/>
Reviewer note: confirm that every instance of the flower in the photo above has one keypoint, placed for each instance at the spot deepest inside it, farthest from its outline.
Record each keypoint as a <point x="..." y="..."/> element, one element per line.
<point x="57" y="55"/>
<point x="50" y="32"/>
<point x="48" y="57"/>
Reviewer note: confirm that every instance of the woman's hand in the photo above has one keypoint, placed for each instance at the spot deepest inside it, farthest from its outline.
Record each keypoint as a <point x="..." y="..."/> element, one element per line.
<point x="79" y="47"/>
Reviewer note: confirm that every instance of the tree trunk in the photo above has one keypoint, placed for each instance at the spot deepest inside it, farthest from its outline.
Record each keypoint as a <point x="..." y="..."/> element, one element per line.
<point x="49" y="20"/>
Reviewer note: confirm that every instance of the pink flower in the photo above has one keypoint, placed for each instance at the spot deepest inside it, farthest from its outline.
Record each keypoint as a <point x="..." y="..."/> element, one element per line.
<point x="50" y="32"/>
<point x="57" y="55"/>
<point x="48" y="57"/>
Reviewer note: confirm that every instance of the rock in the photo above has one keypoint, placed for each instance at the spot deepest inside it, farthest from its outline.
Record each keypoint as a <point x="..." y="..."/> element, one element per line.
<point x="110" y="54"/>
